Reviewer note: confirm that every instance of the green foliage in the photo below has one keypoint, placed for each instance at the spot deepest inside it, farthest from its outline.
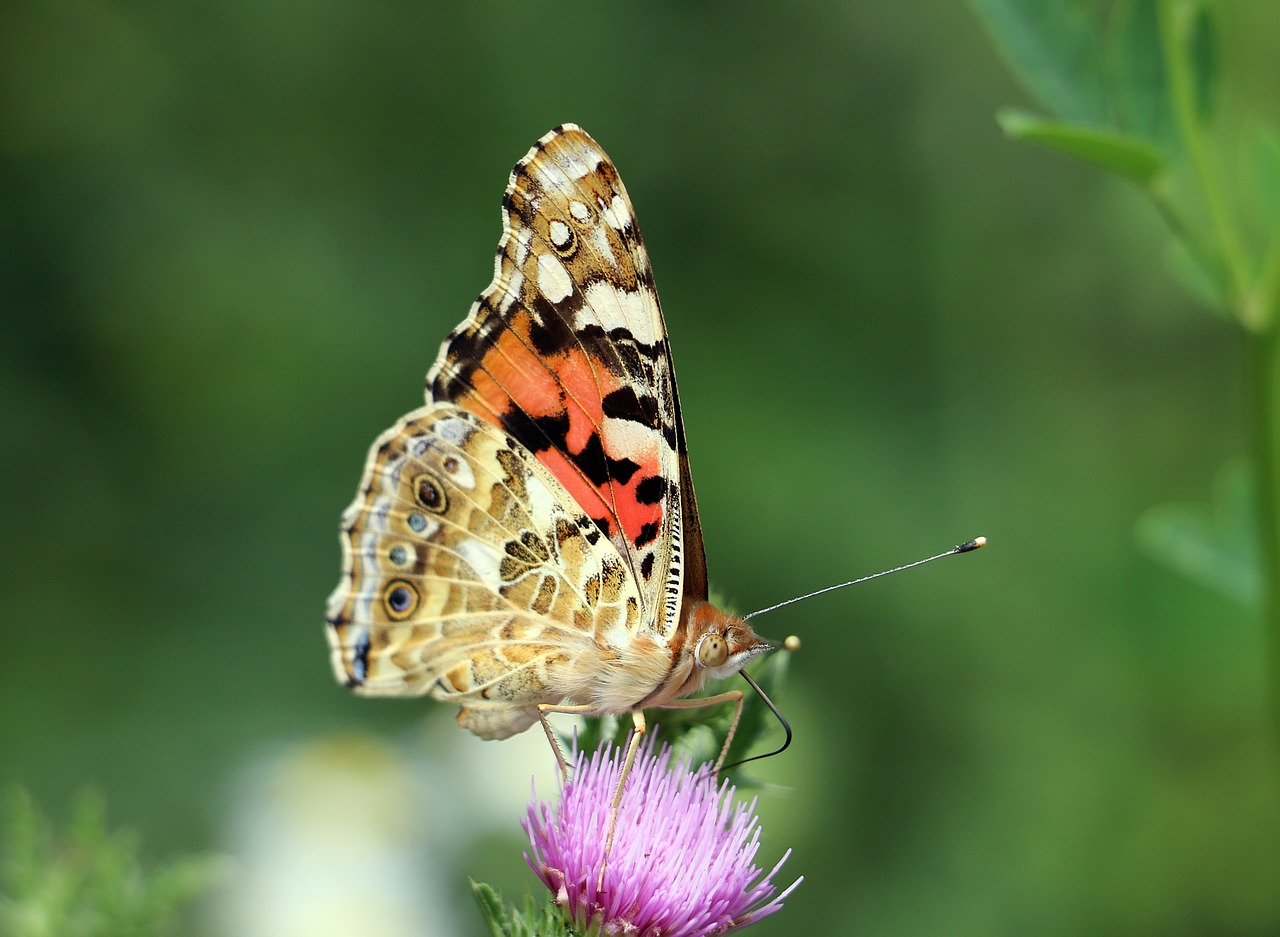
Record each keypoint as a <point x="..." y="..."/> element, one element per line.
<point x="1054" y="48"/>
<point x="1216" y="544"/>
<point x="536" y="920"/>
<point x="1138" y="100"/>
<point x="1108" y="88"/>
<point x="89" y="881"/>
<point x="1126" y="156"/>
<point x="1260" y="175"/>
<point x="1134" y="99"/>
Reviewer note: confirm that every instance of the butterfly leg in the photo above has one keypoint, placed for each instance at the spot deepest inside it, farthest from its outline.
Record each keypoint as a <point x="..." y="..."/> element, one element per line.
<point x="633" y="745"/>
<point x="543" y="709"/>
<point x="729" y="695"/>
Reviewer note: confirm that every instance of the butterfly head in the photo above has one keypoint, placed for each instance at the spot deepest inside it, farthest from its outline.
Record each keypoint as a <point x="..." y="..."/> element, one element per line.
<point x="722" y="643"/>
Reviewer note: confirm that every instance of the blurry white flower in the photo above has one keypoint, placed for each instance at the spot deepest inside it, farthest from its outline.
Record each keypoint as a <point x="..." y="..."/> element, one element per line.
<point x="334" y="838"/>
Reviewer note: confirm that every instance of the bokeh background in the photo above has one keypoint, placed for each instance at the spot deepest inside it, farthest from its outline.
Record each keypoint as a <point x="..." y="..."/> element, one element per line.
<point x="234" y="234"/>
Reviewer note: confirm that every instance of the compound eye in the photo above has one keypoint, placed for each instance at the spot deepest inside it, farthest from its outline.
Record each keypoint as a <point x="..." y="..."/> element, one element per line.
<point x="712" y="650"/>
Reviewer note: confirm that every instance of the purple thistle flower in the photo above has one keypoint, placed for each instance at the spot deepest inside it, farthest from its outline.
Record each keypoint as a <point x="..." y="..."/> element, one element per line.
<point x="681" y="863"/>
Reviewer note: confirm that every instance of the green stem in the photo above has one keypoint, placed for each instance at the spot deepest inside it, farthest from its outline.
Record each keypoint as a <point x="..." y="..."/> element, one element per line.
<point x="1266" y="297"/>
<point x="1263" y="388"/>
<point x="1254" y="305"/>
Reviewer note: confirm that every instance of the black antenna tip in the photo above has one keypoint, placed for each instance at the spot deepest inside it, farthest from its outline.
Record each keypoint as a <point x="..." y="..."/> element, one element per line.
<point x="968" y="545"/>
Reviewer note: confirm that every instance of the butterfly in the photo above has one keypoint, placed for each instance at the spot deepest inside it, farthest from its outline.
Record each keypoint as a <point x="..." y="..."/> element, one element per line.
<point x="528" y="541"/>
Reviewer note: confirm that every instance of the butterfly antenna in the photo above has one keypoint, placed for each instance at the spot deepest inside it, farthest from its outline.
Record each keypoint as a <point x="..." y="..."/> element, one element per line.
<point x="786" y="726"/>
<point x="792" y="642"/>
<point x="966" y="547"/>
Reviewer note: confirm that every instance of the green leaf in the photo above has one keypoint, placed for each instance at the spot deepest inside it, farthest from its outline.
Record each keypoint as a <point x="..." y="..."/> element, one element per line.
<point x="1204" y="60"/>
<point x="1260" y="175"/>
<point x="1199" y="275"/>
<point x="1215" y="544"/>
<point x="496" y="914"/>
<point x="88" y="882"/>
<point x="1053" y="48"/>
<point x="543" y="920"/>
<point x="1138" y="85"/>
<point x="1126" y="156"/>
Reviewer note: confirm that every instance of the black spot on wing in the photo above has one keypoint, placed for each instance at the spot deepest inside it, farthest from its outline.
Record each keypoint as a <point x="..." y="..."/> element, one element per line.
<point x="360" y="660"/>
<point x="590" y="530"/>
<point x="598" y="467"/>
<point x="648" y="533"/>
<point x="646" y="566"/>
<point x="625" y="404"/>
<point x="635" y="358"/>
<point x="537" y="433"/>
<point x="467" y="345"/>
<point x="550" y="331"/>
<point x="646" y="276"/>
<point x="652" y="489"/>
<point x="674" y="440"/>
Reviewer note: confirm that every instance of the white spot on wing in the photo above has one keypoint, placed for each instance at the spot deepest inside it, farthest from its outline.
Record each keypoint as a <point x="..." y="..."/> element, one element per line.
<point x="449" y="371"/>
<point x="553" y="279"/>
<point x="617" y="634"/>
<point x="368" y="554"/>
<point x="583" y="162"/>
<point x="509" y="290"/>
<point x="462" y="475"/>
<point x="337" y="599"/>
<point x="542" y="503"/>
<point x="391" y="471"/>
<point x="620" y="309"/>
<point x="405" y="553"/>
<point x="630" y="437"/>
<point x="559" y="234"/>
<point x="362" y="607"/>
<point x="379" y="507"/>
<point x="481" y="557"/>
<point x="524" y="238"/>
<point x="452" y="429"/>
<point x="579" y="211"/>
<point x="619" y="214"/>
<point x="430" y="526"/>
<point x="600" y="241"/>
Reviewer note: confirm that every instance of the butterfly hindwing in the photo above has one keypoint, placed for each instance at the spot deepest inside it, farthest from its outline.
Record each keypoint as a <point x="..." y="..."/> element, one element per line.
<point x="468" y="576"/>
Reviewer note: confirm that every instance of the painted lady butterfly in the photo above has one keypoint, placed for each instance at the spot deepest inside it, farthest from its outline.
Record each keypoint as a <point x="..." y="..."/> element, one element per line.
<point x="528" y="541"/>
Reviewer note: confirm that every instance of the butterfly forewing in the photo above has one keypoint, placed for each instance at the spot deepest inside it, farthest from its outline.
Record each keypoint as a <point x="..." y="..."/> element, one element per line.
<point x="567" y="352"/>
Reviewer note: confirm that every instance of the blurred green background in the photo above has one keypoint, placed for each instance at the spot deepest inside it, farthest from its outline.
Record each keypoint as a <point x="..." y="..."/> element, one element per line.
<point x="234" y="236"/>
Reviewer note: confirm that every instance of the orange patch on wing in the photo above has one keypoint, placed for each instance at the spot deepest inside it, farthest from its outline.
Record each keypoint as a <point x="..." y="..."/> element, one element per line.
<point x="631" y="513"/>
<point x="586" y="388"/>
<point x="509" y="373"/>
<point x="582" y="491"/>
<point x="569" y="384"/>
